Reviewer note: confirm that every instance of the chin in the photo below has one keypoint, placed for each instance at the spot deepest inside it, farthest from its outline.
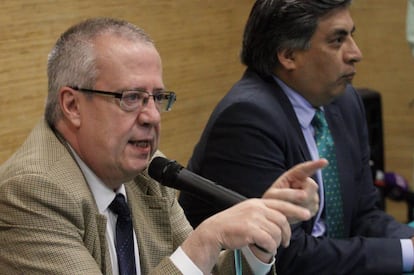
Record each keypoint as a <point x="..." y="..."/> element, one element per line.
<point x="137" y="166"/>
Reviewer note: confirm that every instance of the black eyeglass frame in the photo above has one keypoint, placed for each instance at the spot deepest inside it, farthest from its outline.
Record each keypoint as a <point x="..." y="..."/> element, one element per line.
<point x="170" y="95"/>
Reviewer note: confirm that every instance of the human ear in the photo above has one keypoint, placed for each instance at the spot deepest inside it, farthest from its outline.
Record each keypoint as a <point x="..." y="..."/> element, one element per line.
<point x="287" y="58"/>
<point x="70" y="105"/>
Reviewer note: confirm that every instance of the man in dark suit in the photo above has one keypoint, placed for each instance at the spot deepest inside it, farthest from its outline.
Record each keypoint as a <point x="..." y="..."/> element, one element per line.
<point x="62" y="191"/>
<point x="300" y="57"/>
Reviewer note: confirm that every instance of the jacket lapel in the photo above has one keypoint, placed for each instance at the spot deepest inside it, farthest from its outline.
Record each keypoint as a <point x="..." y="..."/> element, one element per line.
<point x="95" y="236"/>
<point x="151" y="222"/>
<point x="291" y="115"/>
<point x="295" y="126"/>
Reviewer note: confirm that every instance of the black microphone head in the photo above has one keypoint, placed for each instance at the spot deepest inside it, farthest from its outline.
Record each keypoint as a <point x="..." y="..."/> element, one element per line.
<point x="164" y="171"/>
<point x="172" y="174"/>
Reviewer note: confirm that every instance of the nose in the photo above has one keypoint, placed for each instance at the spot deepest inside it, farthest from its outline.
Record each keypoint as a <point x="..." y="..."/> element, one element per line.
<point x="353" y="54"/>
<point x="149" y="113"/>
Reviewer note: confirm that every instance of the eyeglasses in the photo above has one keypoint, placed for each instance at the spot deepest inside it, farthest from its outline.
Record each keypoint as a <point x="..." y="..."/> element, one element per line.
<point x="133" y="100"/>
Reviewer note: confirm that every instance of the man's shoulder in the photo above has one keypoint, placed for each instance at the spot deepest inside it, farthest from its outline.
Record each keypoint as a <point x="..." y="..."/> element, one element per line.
<point x="41" y="158"/>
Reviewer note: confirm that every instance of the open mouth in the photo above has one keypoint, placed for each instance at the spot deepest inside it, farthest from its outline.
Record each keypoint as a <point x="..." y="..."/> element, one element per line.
<point x="140" y="143"/>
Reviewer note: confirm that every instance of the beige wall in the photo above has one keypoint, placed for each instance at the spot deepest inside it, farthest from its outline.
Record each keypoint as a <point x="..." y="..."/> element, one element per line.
<point x="389" y="68"/>
<point x="199" y="42"/>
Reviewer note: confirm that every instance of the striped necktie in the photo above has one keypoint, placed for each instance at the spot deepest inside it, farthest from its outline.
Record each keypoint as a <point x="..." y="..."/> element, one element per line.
<point x="332" y="190"/>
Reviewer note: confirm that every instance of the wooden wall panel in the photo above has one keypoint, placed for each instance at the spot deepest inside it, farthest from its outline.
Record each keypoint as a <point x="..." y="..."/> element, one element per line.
<point x="388" y="67"/>
<point x="199" y="42"/>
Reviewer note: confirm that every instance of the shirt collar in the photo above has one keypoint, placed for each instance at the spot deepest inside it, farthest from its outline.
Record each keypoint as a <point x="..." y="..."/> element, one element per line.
<point x="303" y="109"/>
<point x="103" y="194"/>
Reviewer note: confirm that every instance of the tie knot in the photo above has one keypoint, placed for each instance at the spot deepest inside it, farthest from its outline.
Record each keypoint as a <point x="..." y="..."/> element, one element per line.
<point x="319" y="120"/>
<point x="120" y="207"/>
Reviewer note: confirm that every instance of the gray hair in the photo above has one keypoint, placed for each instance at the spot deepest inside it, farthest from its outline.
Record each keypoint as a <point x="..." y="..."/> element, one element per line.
<point x="72" y="61"/>
<point x="275" y="25"/>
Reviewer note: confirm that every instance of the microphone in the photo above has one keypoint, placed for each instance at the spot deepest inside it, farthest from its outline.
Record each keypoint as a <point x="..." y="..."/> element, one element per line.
<point x="172" y="174"/>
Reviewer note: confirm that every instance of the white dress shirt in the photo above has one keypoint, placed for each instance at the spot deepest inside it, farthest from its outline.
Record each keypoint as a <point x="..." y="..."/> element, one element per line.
<point x="104" y="196"/>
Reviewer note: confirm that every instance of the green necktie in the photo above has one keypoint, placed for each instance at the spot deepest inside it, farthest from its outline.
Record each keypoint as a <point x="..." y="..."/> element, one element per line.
<point x="333" y="200"/>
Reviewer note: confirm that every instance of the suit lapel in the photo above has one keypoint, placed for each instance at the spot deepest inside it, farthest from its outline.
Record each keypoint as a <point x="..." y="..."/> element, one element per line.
<point x="105" y="260"/>
<point x="291" y="115"/>
<point x="151" y="222"/>
<point x="289" y="111"/>
<point x="95" y="236"/>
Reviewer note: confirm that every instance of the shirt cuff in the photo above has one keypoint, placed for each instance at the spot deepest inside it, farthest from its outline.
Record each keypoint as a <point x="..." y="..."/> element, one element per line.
<point x="257" y="266"/>
<point x="407" y="255"/>
<point x="184" y="263"/>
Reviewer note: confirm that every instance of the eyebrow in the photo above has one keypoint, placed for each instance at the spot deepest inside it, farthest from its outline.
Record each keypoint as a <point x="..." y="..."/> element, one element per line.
<point x="344" y="32"/>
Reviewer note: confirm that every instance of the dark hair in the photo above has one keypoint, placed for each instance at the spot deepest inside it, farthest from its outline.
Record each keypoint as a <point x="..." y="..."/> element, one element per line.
<point x="274" y="25"/>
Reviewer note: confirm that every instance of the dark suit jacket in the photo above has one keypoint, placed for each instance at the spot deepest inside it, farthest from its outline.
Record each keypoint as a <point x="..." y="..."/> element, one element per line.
<point x="253" y="136"/>
<point x="50" y="224"/>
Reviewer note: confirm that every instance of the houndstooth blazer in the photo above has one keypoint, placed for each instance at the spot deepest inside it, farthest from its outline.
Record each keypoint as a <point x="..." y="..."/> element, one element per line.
<point x="50" y="224"/>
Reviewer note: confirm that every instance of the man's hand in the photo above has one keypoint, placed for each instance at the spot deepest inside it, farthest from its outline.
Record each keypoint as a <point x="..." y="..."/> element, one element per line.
<point x="262" y="222"/>
<point x="297" y="186"/>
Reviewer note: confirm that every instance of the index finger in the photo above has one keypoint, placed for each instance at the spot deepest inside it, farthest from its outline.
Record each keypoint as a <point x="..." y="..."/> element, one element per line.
<point x="304" y="170"/>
